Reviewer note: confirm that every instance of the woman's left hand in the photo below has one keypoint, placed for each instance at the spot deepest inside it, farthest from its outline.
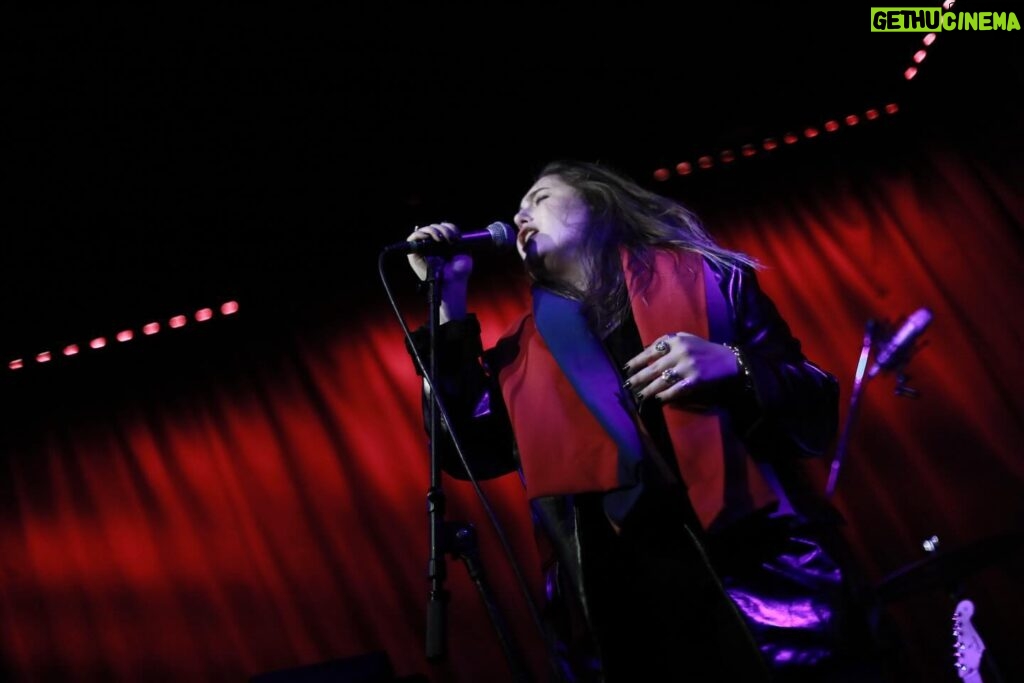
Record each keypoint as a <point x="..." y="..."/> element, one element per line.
<point x="676" y="365"/>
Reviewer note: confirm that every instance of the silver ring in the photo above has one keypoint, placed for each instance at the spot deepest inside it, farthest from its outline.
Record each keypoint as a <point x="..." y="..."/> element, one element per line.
<point x="670" y="376"/>
<point x="661" y="347"/>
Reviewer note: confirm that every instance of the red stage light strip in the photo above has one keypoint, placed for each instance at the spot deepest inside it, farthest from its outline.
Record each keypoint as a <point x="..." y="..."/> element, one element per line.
<point x="727" y="156"/>
<point x="126" y="335"/>
<point x="926" y="42"/>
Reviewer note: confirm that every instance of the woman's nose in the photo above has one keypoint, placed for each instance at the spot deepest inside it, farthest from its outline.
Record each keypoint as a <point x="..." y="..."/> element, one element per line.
<point x="520" y="218"/>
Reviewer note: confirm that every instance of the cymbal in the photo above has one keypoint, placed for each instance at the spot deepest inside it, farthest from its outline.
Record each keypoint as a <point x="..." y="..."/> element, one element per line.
<point x="944" y="568"/>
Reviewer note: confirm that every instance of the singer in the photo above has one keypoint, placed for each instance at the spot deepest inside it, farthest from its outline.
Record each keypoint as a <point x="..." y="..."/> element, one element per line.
<point x="657" y="406"/>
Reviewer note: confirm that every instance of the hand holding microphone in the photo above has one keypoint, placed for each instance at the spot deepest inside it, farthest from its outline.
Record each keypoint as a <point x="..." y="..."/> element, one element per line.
<point x="446" y="234"/>
<point x="444" y="240"/>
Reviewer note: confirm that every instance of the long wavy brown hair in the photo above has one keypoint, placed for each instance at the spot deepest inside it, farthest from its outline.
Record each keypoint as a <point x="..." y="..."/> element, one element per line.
<point x="624" y="214"/>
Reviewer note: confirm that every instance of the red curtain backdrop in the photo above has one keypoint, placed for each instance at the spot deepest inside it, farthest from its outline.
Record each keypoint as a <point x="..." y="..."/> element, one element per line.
<point x="266" y="508"/>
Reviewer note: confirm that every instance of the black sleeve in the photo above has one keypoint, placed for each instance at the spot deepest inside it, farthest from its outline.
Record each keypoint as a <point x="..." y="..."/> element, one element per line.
<point x="472" y="399"/>
<point x="794" y="404"/>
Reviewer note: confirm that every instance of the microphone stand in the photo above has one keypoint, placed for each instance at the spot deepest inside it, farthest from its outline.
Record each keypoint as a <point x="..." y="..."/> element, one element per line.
<point x="897" y="354"/>
<point x="457" y="538"/>
<point x="859" y="382"/>
<point x="436" y="568"/>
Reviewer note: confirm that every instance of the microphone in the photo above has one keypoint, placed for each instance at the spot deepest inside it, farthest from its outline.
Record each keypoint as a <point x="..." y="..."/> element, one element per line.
<point x="896" y="348"/>
<point x="498" y="235"/>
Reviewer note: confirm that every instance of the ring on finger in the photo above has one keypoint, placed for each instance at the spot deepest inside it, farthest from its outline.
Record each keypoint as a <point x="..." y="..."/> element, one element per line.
<point x="661" y="347"/>
<point x="670" y="376"/>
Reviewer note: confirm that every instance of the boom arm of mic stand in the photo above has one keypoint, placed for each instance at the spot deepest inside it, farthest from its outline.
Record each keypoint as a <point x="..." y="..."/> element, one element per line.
<point x="859" y="382"/>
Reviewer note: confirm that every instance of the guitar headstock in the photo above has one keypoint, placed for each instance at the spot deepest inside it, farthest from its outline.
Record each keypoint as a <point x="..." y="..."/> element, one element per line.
<point x="967" y="644"/>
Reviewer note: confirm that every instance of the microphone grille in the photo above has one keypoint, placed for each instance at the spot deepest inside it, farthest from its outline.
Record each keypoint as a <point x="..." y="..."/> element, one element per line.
<point x="921" y="317"/>
<point x="502" y="234"/>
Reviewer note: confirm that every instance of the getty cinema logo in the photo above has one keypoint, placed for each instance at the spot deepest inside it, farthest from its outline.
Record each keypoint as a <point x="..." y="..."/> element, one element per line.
<point x="929" y="19"/>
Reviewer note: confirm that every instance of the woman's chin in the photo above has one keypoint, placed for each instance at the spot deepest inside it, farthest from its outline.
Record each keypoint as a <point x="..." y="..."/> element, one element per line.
<point x="534" y="263"/>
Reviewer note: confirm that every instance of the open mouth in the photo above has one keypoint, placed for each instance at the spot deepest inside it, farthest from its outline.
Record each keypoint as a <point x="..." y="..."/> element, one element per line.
<point x="525" y="235"/>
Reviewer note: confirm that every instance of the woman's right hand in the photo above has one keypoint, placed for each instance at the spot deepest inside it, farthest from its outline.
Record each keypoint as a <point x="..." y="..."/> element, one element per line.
<point x="457" y="268"/>
<point x="456" y="272"/>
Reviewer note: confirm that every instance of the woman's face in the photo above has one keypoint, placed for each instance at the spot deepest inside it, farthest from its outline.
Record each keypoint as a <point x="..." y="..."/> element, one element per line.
<point x="551" y="219"/>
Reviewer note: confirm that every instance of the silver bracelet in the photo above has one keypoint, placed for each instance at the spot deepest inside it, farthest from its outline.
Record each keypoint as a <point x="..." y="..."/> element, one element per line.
<point x="748" y="377"/>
